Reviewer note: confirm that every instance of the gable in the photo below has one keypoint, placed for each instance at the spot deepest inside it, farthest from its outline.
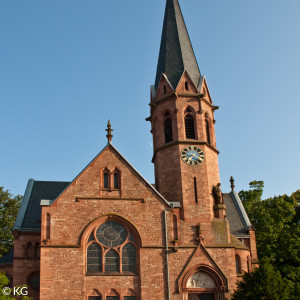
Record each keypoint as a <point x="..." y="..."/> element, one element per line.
<point x="186" y="85"/>
<point x="203" y="88"/>
<point x="164" y="88"/>
<point x="89" y="183"/>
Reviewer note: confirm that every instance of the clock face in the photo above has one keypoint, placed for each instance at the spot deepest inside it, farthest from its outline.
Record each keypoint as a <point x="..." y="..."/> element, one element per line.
<point x="192" y="155"/>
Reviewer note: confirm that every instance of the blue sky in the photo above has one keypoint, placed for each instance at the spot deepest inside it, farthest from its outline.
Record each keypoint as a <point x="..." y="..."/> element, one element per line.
<point x="67" y="66"/>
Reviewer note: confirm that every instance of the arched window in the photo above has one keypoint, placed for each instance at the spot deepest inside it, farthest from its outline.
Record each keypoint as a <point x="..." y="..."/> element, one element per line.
<point x="94" y="258"/>
<point x="130" y="295"/>
<point x="175" y="228"/>
<point x="129" y="258"/>
<point x="165" y="89"/>
<point x="29" y="250"/>
<point x="112" y="295"/>
<point x="48" y="224"/>
<point x="112" y="261"/>
<point x="95" y="295"/>
<point x="106" y="179"/>
<point x="117" y="179"/>
<point x="168" y="130"/>
<point x="207" y="131"/>
<point x="249" y="264"/>
<point x="112" y="245"/>
<point x="238" y="264"/>
<point x="189" y="127"/>
<point x="37" y="251"/>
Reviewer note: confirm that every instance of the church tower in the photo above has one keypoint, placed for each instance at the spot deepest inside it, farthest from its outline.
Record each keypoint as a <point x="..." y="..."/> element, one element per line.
<point x="182" y="119"/>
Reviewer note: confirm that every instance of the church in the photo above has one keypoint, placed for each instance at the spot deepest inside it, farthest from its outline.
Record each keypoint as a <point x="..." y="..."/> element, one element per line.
<point x="111" y="235"/>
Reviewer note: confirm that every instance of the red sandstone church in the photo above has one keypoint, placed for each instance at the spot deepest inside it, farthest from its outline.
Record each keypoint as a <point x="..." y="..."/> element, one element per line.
<point x="111" y="235"/>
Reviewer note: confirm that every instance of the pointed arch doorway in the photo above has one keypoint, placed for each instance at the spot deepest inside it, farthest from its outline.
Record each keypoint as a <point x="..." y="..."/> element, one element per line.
<point x="203" y="283"/>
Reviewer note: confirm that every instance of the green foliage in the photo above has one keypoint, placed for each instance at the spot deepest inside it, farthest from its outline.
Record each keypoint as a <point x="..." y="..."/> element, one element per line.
<point x="277" y="225"/>
<point x="263" y="283"/>
<point x="9" y="206"/>
<point x="4" y="281"/>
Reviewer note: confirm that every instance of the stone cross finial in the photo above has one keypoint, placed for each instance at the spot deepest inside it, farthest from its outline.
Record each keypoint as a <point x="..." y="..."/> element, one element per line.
<point x="232" y="183"/>
<point x="109" y="130"/>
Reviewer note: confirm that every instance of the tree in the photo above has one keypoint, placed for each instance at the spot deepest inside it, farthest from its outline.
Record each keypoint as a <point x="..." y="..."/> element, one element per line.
<point x="4" y="281"/>
<point x="276" y="221"/>
<point x="9" y="207"/>
<point x="263" y="283"/>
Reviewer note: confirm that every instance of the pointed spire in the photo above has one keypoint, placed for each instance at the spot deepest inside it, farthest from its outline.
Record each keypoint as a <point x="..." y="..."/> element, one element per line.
<point x="176" y="51"/>
<point x="109" y="130"/>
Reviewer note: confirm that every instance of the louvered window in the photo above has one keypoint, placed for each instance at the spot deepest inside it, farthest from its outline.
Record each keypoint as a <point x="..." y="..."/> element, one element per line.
<point x="207" y="132"/>
<point x="168" y="130"/>
<point x="189" y="127"/>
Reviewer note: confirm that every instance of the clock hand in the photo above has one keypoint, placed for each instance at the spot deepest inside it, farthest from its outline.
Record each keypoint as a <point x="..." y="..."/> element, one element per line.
<point x="193" y="154"/>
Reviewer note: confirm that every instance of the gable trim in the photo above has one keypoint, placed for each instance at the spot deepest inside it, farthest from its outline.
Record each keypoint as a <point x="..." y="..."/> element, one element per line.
<point x="21" y="214"/>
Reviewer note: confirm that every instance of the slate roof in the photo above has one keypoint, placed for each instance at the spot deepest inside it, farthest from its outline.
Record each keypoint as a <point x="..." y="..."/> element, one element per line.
<point x="176" y="51"/>
<point x="29" y="215"/>
<point x="7" y="259"/>
<point x="239" y="222"/>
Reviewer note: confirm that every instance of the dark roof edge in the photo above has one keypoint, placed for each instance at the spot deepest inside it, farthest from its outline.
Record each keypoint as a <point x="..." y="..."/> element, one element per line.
<point x="21" y="213"/>
<point x="240" y="209"/>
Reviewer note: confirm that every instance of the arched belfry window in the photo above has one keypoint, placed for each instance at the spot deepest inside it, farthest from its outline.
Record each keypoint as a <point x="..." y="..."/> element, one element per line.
<point x="168" y="130"/>
<point x="207" y="132"/>
<point x="189" y="127"/>
<point x="111" y="248"/>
